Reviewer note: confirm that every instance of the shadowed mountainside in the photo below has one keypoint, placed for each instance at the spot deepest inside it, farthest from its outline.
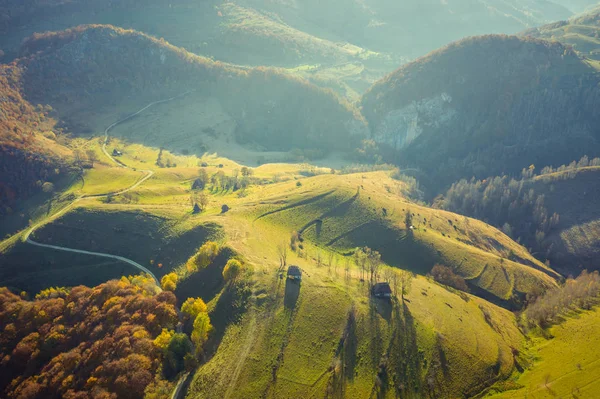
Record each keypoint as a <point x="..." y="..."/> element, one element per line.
<point x="486" y="106"/>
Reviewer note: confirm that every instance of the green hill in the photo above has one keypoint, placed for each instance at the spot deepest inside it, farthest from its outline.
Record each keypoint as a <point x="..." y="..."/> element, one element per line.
<point x="564" y="366"/>
<point x="486" y="106"/>
<point x="581" y="32"/>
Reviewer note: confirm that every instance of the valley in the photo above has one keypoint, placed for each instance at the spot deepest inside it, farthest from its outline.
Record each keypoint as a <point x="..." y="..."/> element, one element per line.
<point x="298" y="200"/>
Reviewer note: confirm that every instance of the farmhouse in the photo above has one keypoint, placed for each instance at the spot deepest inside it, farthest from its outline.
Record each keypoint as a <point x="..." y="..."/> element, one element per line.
<point x="381" y="290"/>
<point x="294" y="273"/>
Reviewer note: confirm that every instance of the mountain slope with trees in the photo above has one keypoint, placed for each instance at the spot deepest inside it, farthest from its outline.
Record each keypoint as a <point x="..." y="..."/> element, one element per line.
<point x="89" y="66"/>
<point x="486" y="106"/>
<point x="86" y="342"/>
<point x="553" y="211"/>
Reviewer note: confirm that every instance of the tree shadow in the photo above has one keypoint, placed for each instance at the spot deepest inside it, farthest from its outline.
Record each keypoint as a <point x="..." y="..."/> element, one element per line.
<point x="292" y="292"/>
<point x="345" y="358"/>
<point x="383" y="307"/>
<point x="376" y="346"/>
<point x="405" y="361"/>
<point x="231" y="306"/>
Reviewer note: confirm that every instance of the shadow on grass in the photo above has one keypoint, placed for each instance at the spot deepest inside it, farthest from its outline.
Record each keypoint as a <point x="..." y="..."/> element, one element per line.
<point x="404" y="358"/>
<point x="230" y="307"/>
<point x="292" y="292"/>
<point x="345" y="358"/>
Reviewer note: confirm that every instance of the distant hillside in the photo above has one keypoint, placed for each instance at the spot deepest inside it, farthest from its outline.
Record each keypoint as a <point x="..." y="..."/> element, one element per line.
<point x="89" y="67"/>
<point x="574" y="194"/>
<point x="555" y="213"/>
<point x="486" y="106"/>
<point x="412" y="28"/>
<point x="30" y="154"/>
<point x="581" y="32"/>
<point x="229" y="31"/>
<point x="259" y="32"/>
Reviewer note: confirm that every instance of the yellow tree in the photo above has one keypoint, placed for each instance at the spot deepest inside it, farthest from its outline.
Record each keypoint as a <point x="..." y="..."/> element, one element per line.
<point x="202" y="328"/>
<point x="192" y="307"/>
<point x="232" y="270"/>
<point x="163" y="339"/>
<point x="169" y="282"/>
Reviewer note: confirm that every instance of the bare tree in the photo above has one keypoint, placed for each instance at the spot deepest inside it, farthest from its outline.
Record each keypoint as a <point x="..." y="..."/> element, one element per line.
<point x="374" y="261"/>
<point x="77" y="157"/>
<point x="360" y="258"/>
<point x="202" y="200"/>
<point x="405" y="282"/>
<point x="388" y="275"/>
<point x="330" y="255"/>
<point x="347" y="268"/>
<point x="92" y="156"/>
<point x="282" y="252"/>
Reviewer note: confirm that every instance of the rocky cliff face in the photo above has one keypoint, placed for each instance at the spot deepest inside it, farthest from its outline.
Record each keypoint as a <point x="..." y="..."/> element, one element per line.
<point x="487" y="106"/>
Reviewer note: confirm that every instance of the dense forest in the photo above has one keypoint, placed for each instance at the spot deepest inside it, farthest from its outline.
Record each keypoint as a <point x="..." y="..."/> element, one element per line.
<point x="486" y="106"/>
<point x="529" y="208"/>
<point x="89" y="342"/>
<point x="30" y="156"/>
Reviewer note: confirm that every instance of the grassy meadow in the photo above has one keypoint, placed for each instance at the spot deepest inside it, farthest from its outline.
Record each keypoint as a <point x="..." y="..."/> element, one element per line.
<point x="327" y="334"/>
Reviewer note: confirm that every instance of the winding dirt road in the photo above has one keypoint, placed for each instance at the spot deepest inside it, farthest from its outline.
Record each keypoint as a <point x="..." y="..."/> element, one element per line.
<point x="148" y="174"/>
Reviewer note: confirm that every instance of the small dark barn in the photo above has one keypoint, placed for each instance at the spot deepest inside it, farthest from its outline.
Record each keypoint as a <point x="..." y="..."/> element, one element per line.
<point x="381" y="290"/>
<point x="294" y="273"/>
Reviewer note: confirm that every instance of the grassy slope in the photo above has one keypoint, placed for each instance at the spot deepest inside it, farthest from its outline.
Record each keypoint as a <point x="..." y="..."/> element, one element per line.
<point x="475" y="250"/>
<point x="297" y="336"/>
<point x="567" y="365"/>
<point x="581" y="32"/>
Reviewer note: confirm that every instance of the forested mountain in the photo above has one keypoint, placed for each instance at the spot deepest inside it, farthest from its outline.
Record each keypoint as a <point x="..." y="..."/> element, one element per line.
<point x="277" y="32"/>
<point x="486" y="106"/>
<point x="30" y="154"/>
<point x="553" y="210"/>
<point x="91" y="65"/>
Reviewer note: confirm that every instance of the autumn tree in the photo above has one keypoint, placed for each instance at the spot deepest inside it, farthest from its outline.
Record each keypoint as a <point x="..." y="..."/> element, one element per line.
<point x="232" y="270"/>
<point x="247" y="172"/>
<point x="192" y="307"/>
<point x="169" y="281"/>
<point x="201" y="330"/>
<point x="204" y="257"/>
<point x="108" y="340"/>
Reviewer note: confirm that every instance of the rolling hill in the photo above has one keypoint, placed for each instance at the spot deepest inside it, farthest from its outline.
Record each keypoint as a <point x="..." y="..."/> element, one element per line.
<point x="580" y="32"/>
<point x="292" y="340"/>
<point x="485" y="106"/>
<point x="81" y="72"/>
